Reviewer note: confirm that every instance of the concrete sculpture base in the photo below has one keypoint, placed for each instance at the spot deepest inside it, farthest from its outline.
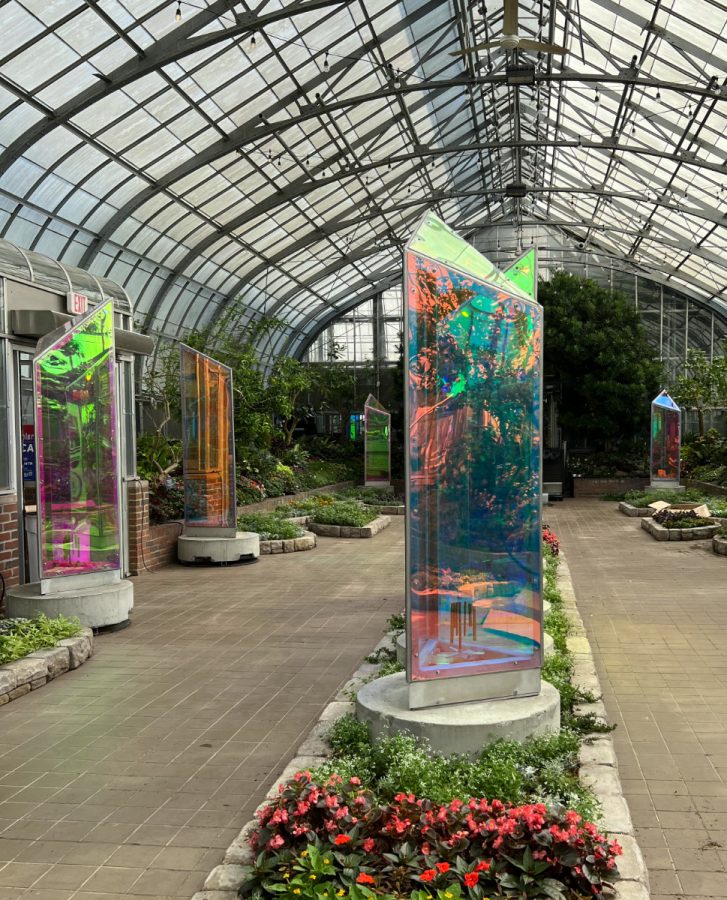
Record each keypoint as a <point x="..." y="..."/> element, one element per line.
<point x="245" y="545"/>
<point x="96" y="606"/>
<point x="460" y="728"/>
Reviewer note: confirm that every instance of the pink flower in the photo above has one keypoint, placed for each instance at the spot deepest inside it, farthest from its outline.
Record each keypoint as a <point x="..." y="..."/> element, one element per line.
<point x="275" y="843"/>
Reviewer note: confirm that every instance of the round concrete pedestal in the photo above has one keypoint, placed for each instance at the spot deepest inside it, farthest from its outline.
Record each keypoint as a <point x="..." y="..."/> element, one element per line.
<point x="245" y="545"/>
<point x="548" y="646"/>
<point x="96" y="607"/>
<point x="462" y="727"/>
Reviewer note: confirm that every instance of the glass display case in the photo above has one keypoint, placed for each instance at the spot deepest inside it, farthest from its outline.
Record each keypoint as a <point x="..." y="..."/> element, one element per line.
<point x="473" y="418"/>
<point x="666" y="418"/>
<point x="377" y="443"/>
<point x="76" y="448"/>
<point x="209" y="442"/>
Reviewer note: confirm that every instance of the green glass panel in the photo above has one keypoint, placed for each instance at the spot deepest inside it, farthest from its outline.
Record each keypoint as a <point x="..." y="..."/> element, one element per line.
<point x="524" y="273"/>
<point x="78" y="500"/>
<point x="377" y="437"/>
<point x="436" y="240"/>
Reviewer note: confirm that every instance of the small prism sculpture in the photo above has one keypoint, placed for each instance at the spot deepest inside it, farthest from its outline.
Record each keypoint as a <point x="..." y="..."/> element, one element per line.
<point x="377" y="444"/>
<point x="473" y="421"/>
<point x="666" y="423"/>
<point x="524" y="273"/>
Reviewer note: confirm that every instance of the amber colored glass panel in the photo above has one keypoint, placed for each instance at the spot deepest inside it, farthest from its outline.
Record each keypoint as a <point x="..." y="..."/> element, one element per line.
<point x="665" y="439"/>
<point x="377" y="435"/>
<point x="78" y="498"/>
<point x="209" y="441"/>
<point x="473" y="415"/>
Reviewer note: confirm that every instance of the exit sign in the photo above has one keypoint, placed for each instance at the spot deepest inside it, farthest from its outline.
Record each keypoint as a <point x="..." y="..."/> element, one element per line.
<point x="76" y="304"/>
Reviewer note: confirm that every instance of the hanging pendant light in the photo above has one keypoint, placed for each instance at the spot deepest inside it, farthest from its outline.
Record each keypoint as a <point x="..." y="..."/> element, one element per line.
<point x="178" y="13"/>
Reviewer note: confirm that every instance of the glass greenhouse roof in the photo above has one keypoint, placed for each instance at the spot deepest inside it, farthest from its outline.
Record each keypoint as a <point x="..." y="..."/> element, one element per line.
<point x="284" y="154"/>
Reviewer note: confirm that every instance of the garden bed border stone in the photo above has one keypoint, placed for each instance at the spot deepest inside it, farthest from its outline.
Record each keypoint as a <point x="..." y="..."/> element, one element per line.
<point x="307" y="541"/>
<point x="598" y="767"/>
<point x="397" y="509"/>
<point x="660" y="533"/>
<point x="41" y="666"/>
<point x="351" y="531"/>
<point x="719" y="545"/>
<point x="640" y="512"/>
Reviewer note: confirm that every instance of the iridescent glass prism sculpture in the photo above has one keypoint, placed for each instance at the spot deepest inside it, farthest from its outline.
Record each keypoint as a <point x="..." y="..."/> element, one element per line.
<point x="524" y="273"/>
<point x="377" y="444"/>
<point x="75" y="421"/>
<point x="473" y="420"/>
<point x="666" y="418"/>
<point x="209" y="443"/>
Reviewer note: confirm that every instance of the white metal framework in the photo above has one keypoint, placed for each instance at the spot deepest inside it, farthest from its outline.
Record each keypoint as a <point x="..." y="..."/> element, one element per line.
<point x="281" y="153"/>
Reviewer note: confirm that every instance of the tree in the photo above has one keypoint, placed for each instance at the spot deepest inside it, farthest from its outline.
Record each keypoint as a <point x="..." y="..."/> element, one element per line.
<point x="596" y="348"/>
<point x="703" y="384"/>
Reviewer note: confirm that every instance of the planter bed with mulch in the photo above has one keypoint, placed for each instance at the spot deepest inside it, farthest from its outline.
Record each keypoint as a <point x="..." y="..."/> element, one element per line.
<point x="660" y="533"/>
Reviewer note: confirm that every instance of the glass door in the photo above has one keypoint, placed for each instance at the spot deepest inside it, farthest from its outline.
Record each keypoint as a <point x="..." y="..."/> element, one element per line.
<point x="27" y="493"/>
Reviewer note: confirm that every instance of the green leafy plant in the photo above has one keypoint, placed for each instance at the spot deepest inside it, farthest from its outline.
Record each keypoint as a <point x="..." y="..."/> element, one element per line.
<point x="19" y="637"/>
<point x="270" y="527"/>
<point x="343" y="512"/>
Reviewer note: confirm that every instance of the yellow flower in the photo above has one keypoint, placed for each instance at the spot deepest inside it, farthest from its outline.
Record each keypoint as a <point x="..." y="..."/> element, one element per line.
<point x="312" y="877"/>
<point x="286" y="876"/>
<point x="340" y="893"/>
<point x="304" y="853"/>
<point x="296" y="890"/>
<point x="326" y="862"/>
<point x="448" y="895"/>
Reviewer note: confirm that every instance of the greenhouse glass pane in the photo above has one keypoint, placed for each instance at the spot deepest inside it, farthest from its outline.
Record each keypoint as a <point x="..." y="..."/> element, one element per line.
<point x="524" y="273"/>
<point x="75" y="409"/>
<point x="209" y="442"/>
<point x="473" y="419"/>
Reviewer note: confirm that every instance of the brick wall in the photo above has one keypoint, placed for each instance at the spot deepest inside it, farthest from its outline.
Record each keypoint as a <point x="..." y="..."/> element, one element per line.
<point x="594" y="487"/>
<point x="150" y="547"/>
<point x="9" y="544"/>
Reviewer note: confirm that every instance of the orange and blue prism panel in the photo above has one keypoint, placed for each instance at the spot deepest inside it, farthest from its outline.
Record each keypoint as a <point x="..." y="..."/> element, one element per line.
<point x="77" y="458"/>
<point x="473" y="420"/>
<point x="377" y="443"/>
<point x="209" y="441"/>
<point x="666" y="419"/>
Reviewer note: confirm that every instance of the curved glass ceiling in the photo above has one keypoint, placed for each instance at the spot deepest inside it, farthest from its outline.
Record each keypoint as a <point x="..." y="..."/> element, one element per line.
<point x="283" y="153"/>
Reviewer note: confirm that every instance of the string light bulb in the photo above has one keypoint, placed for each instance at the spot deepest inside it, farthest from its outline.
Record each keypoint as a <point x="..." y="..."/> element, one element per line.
<point x="178" y="13"/>
<point x="253" y="42"/>
<point x="326" y="67"/>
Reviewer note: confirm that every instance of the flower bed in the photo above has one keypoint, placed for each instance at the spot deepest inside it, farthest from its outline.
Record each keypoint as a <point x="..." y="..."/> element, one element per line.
<point x="680" y="529"/>
<point x="331" y="839"/>
<point x="277" y="534"/>
<point x="19" y="637"/>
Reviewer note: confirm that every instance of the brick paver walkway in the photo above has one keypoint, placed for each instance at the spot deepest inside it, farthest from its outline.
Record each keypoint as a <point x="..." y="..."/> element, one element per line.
<point x="656" y="615"/>
<point x="129" y="777"/>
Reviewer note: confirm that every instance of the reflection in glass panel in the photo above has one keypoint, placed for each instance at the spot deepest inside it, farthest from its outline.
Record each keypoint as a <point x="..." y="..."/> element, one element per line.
<point x="473" y="417"/>
<point x="665" y="439"/>
<point x="209" y="441"/>
<point x="377" y="439"/>
<point x="78" y="503"/>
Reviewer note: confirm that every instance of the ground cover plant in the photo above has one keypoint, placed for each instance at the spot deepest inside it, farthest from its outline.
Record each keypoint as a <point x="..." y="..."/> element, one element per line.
<point x="645" y="497"/>
<point x="269" y="526"/>
<point x="19" y="637"/>
<point x="332" y="838"/>
<point x="344" y="512"/>
<point x="680" y="518"/>
<point x="383" y="496"/>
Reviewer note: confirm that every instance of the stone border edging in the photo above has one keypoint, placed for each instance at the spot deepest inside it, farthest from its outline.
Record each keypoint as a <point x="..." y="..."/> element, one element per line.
<point x="307" y="541"/>
<point x="719" y="545"/>
<point x="660" y="533"/>
<point x="351" y="531"/>
<point x="598" y="763"/>
<point x="41" y="666"/>
<point x="641" y="512"/>
<point x="390" y="510"/>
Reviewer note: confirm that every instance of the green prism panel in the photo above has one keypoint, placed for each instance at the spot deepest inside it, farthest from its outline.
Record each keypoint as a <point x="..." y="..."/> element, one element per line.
<point x="523" y="273"/>
<point x="377" y="443"/>
<point x="75" y="420"/>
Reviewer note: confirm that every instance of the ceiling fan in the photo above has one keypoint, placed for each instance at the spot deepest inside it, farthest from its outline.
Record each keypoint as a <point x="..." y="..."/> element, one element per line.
<point x="510" y="39"/>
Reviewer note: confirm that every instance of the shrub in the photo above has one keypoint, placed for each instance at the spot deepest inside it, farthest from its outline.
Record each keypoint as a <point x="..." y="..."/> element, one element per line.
<point x="334" y="832"/>
<point x="680" y="518"/>
<point x="372" y="495"/>
<point x="551" y="541"/>
<point x="644" y="498"/>
<point x="270" y="527"/>
<point x="19" y="637"/>
<point x="166" y="500"/>
<point x="344" y="512"/>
